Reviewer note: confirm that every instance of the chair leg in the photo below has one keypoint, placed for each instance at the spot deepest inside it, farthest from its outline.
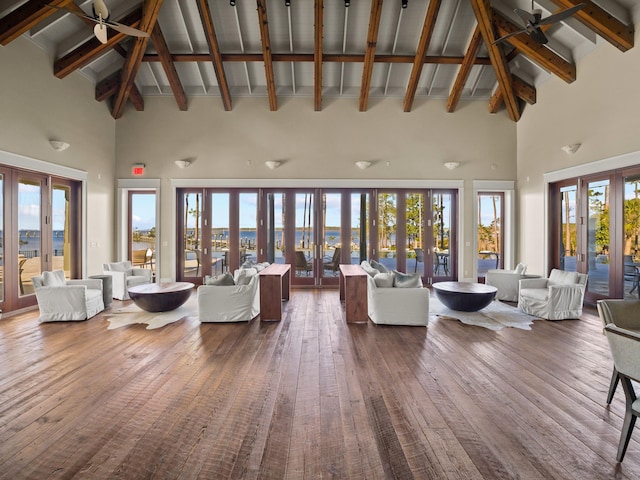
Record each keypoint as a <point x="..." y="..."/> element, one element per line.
<point x="629" y="418"/>
<point x="612" y="385"/>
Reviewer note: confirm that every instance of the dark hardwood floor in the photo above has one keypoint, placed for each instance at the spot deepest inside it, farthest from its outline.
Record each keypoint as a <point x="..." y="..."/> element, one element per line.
<point x="308" y="397"/>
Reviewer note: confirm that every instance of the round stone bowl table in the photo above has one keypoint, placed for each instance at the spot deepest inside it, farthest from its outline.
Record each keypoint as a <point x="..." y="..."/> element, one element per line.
<point x="161" y="297"/>
<point x="464" y="296"/>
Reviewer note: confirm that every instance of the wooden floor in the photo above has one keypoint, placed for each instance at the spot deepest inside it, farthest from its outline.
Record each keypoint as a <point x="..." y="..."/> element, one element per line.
<point x="308" y="397"/>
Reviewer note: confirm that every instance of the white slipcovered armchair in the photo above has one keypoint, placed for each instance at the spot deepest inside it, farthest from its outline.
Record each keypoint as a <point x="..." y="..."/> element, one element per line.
<point x="555" y="298"/>
<point x="507" y="281"/>
<point x="231" y="303"/>
<point x="397" y="306"/>
<point x="60" y="299"/>
<point x="123" y="276"/>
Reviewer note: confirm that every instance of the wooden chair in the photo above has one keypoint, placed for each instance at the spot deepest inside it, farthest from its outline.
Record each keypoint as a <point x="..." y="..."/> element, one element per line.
<point x="302" y="265"/>
<point x="139" y="257"/>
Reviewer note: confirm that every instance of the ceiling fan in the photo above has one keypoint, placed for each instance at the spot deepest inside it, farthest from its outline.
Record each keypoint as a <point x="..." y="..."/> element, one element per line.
<point x="533" y="21"/>
<point x="101" y="18"/>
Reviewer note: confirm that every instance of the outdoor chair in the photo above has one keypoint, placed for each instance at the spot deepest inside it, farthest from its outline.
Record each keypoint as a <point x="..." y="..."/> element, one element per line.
<point x="334" y="264"/>
<point x="303" y="266"/>
<point x="625" y="314"/>
<point x="625" y="350"/>
<point x="419" y="257"/>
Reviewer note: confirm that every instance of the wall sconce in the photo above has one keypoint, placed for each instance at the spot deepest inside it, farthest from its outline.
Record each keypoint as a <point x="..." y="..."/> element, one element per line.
<point x="58" y="145"/>
<point x="571" y="149"/>
<point x="183" y="163"/>
<point x="363" y="164"/>
<point x="273" y="164"/>
<point x="451" y="165"/>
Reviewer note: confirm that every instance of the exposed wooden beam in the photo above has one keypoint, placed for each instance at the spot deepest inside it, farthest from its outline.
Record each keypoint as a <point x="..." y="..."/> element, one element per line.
<point x="317" y="55"/>
<point x="266" y="54"/>
<point x="215" y="57"/>
<point x="603" y="23"/>
<point x="309" y="57"/>
<point x="523" y="90"/>
<point x="370" y="52"/>
<point x="150" y="11"/>
<point x="540" y="54"/>
<point x="26" y="16"/>
<point x="465" y="69"/>
<point x="110" y="86"/>
<point x="483" y="13"/>
<point x="169" y="68"/>
<point x="423" y="43"/>
<point x="92" y="48"/>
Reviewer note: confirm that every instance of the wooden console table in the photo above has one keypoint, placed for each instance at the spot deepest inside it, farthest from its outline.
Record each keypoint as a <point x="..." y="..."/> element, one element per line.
<point x="275" y="286"/>
<point x="353" y="291"/>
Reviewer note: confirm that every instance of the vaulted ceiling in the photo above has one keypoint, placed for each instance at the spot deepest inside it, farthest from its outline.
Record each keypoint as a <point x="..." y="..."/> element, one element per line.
<point x="319" y="48"/>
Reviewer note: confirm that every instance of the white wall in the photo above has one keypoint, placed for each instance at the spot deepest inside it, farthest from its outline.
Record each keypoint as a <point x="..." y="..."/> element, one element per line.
<point x="600" y="110"/>
<point x="316" y="145"/>
<point x="35" y="107"/>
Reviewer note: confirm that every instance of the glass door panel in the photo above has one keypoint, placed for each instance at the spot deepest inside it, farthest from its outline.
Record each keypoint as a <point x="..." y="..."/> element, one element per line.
<point x="192" y="235"/>
<point x="248" y="221"/>
<point x="415" y="233"/>
<point x="61" y="224"/>
<point x="490" y="255"/>
<point x="359" y="227"/>
<point x="568" y="228"/>
<point x="443" y="219"/>
<point x="275" y="222"/>
<point x="598" y="237"/>
<point x="387" y="218"/>
<point x="305" y="238"/>
<point x="332" y="241"/>
<point x="29" y="233"/>
<point x="631" y="237"/>
<point x="2" y="239"/>
<point x="219" y="251"/>
<point x="142" y="229"/>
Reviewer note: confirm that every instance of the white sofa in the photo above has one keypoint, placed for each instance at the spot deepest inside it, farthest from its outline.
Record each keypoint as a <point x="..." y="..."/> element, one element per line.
<point x="397" y="306"/>
<point x="60" y="299"/>
<point x="123" y="276"/>
<point x="555" y="298"/>
<point x="230" y="303"/>
<point x="507" y="282"/>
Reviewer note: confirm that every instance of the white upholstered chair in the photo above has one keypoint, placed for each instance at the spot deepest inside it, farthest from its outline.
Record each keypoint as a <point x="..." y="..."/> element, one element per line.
<point x="625" y="350"/>
<point x="230" y="303"/>
<point x="60" y="299"/>
<point x="555" y="298"/>
<point x="123" y="276"/>
<point x="397" y="306"/>
<point x="507" y="281"/>
<point x="625" y="314"/>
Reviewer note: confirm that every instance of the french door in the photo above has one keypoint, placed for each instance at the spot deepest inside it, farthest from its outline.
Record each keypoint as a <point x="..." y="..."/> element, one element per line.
<point x="315" y="230"/>
<point x="40" y="230"/>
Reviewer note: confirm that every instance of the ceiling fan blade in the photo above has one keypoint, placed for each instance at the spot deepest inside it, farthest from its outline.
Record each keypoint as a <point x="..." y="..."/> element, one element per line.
<point x="526" y="17"/>
<point x="562" y="15"/>
<point x="126" y="29"/>
<point x="100" y="31"/>
<point x="100" y="9"/>
<point x="509" y="35"/>
<point x="538" y="36"/>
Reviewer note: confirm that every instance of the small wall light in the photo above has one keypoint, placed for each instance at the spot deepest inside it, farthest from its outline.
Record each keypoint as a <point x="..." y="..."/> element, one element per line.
<point x="59" y="145"/>
<point x="571" y="149"/>
<point x="451" y="165"/>
<point x="183" y="163"/>
<point x="273" y="164"/>
<point x="363" y="164"/>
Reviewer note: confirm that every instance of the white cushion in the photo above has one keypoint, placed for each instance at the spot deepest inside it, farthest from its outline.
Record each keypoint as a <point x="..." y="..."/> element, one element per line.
<point x="220" y="280"/>
<point x="53" y="279"/>
<point x="520" y="269"/>
<point x="562" y="277"/>
<point x="406" y="280"/>
<point x="378" y="266"/>
<point x="244" y="275"/>
<point x="366" y="266"/>
<point x="384" y="280"/>
<point x="121" y="267"/>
